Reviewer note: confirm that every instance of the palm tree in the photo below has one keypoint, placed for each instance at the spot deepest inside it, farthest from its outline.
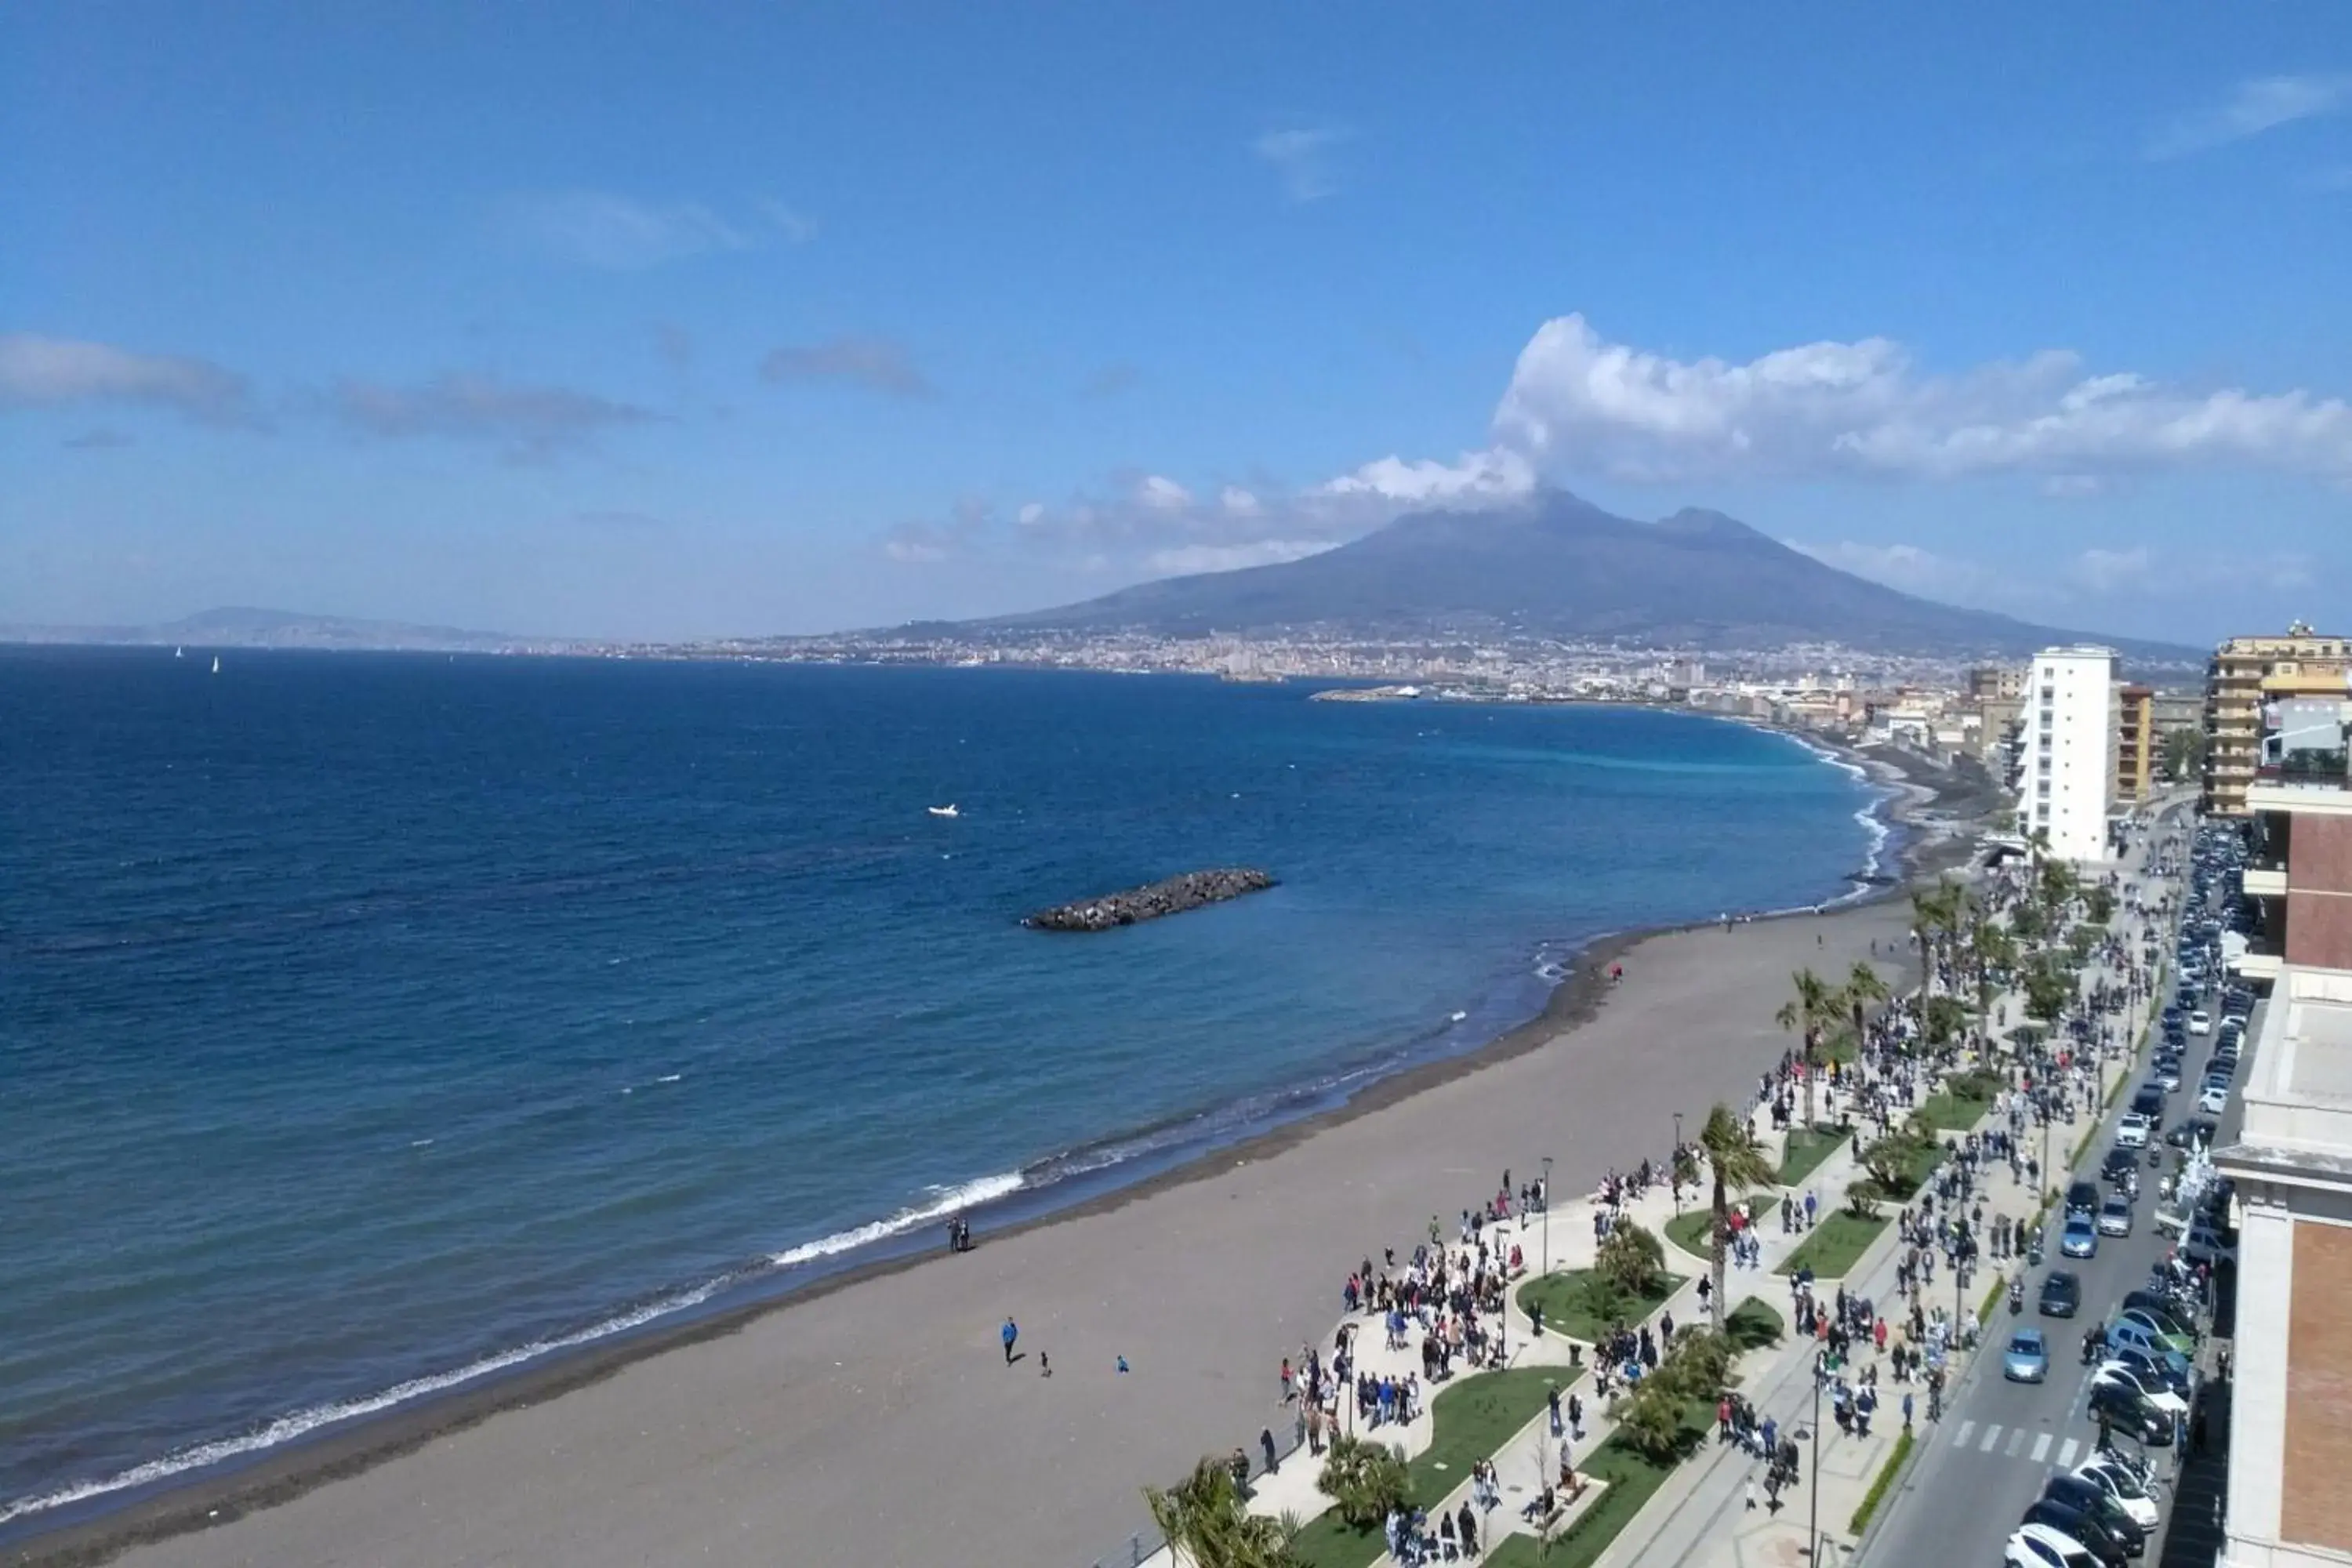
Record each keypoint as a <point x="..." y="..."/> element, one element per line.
<point x="1936" y="915"/>
<point x="1994" y="950"/>
<point x="1207" y="1527"/>
<point x="1863" y="986"/>
<point x="1814" y="1001"/>
<point x="1734" y="1160"/>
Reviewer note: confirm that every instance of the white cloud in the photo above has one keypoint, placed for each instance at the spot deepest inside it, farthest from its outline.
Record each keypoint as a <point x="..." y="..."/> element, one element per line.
<point x="879" y="365"/>
<point x="39" y="371"/>
<point x="1303" y="158"/>
<point x="1580" y="404"/>
<point x="1499" y="473"/>
<point x="1163" y="494"/>
<point x="2073" y="486"/>
<point x="1032" y="514"/>
<point x="1184" y="560"/>
<point x="2254" y="106"/>
<point x="601" y="229"/>
<point x="527" y="421"/>
<point x="1239" y="501"/>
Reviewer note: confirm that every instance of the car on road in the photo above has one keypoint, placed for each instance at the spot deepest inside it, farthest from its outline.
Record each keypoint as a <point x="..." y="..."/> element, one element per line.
<point x="2215" y="1099"/>
<point x="2090" y="1498"/>
<point x="2133" y="1131"/>
<point x="2128" y="1412"/>
<point x="2167" y="1073"/>
<point x="2200" y="1022"/>
<point x="2082" y="1528"/>
<point x="2026" y="1358"/>
<point x="2081" y="1197"/>
<point x="2119" y="1164"/>
<point x="2148" y="1099"/>
<point x="2039" y="1546"/>
<point x="2116" y="1216"/>
<point x="2108" y="1472"/>
<point x="2079" y="1240"/>
<point x="2062" y="1294"/>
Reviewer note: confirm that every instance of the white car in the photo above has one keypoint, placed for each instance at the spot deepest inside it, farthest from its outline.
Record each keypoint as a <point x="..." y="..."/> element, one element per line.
<point x="2131" y="1131"/>
<point x="2162" y="1398"/>
<point x="2117" y="1482"/>
<point x="2215" y="1099"/>
<point x="2234" y="1023"/>
<point x="2200" y="1022"/>
<point x="2039" y="1546"/>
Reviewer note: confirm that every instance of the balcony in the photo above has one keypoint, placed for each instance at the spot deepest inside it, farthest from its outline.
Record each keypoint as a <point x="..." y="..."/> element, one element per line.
<point x="2259" y="959"/>
<point x="2266" y="880"/>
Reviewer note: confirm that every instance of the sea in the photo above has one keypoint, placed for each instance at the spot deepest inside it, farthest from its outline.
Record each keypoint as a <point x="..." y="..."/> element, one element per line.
<point x="371" y="1025"/>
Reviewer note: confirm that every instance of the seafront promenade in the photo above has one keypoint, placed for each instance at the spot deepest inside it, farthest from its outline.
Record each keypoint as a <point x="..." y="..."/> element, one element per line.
<point x="1714" y="1509"/>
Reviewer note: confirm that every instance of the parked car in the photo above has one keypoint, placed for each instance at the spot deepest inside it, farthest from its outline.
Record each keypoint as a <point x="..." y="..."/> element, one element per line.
<point x="2062" y="1294"/>
<point x="2116" y="1216"/>
<point x="2128" y="1412"/>
<point x="2159" y="1337"/>
<point x="2215" y="1099"/>
<point x="2026" y="1357"/>
<point x="2153" y="1390"/>
<point x="2039" y="1546"/>
<point x="2120" y="1481"/>
<point x="2205" y="1245"/>
<point x="2079" y="1240"/>
<point x="2195" y="1130"/>
<point x="2160" y="1310"/>
<point x="2082" y="1528"/>
<point x="2169" y="1371"/>
<point x="2089" y="1497"/>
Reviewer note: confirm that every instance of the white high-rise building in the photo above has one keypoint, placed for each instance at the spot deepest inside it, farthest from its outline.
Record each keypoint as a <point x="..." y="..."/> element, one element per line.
<point x="2069" y="742"/>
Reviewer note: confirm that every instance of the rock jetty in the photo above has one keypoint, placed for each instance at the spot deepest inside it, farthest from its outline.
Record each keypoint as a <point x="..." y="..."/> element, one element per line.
<point x="1172" y="897"/>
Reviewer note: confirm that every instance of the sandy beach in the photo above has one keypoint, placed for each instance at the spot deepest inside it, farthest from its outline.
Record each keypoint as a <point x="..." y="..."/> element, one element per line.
<point x="877" y="1422"/>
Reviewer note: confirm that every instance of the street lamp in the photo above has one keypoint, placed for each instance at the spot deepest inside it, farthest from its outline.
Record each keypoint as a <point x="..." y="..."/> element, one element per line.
<point x="1813" y="1507"/>
<point x="1674" y="1166"/>
<point x="1546" y="1214"/>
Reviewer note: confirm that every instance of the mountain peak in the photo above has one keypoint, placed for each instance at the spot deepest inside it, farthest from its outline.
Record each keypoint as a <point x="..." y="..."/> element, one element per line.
<point x="1700" y="523"/>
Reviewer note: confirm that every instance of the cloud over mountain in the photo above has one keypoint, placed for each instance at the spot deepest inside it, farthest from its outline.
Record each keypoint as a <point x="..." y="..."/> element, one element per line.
<point x="37" y="371"/>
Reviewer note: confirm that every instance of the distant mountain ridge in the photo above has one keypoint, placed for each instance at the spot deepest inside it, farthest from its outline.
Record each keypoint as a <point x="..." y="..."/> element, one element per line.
<point x="1559" y="567"/>
<point x="244" y="627"/>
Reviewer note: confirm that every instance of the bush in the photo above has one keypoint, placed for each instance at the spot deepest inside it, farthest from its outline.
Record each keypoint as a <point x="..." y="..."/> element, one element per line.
<point x="1878" y="1486"/>
<point x="1631" y="1259"/>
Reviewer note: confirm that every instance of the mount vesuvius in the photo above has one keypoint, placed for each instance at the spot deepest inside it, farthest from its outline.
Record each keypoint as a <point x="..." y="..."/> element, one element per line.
<point x="1558" y="567"/>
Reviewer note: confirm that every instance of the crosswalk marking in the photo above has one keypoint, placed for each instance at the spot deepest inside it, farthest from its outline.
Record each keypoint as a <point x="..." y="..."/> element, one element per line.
<point x="2041" y="1447"/>
<point x="1960" y="1438"/>
<point x="2066" y="1454"/>
<point x="1992" y="1435"/>
<point x="2016" y="1441"/>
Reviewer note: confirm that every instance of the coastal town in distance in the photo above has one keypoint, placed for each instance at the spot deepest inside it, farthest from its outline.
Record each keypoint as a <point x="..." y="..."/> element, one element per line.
<point x="1175" y="786"/>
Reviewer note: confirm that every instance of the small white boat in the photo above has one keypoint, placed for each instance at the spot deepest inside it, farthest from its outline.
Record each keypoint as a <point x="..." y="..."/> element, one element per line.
<point x="179" y="653"/>
<point x="216" y="664"/>
<point x="948" y="810"/>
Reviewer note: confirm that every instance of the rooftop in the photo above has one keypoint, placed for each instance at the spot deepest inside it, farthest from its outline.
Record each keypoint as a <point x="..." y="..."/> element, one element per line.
<point x="2298" y="1094"/>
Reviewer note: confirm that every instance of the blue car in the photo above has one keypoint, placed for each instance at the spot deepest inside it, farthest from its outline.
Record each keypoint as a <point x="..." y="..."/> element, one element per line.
<point x="2079" y="1240"/>
<point x="2027" y="1359"/>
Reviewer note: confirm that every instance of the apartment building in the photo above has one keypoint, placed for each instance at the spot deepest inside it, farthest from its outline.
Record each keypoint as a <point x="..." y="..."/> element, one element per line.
<point x="2290" y="1416"/>
<point x="2067" y="787"/>
<point x="2243" y="674"/>
<point x="2138" y="752"/>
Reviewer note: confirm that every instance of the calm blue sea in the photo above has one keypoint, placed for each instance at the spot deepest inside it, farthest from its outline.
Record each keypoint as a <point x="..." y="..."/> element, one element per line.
<point x="367" y="1023"/>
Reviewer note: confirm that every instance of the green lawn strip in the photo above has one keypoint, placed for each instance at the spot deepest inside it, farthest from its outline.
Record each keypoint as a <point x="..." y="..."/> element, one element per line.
<point x="1917" y="1167"/>
<point x="1879" y="1485"/>
<point x="1633" y="1482"/>
<point x="1991" y="1300"/>
<point x="1470" y="1420"/>
<point x="1691" y="1231"/>
<point x="1806" y="1149"/>
<point x="1835" y="1246"/>
<point x="1583" y="1306"/>
<point x="1959" y="1105"/>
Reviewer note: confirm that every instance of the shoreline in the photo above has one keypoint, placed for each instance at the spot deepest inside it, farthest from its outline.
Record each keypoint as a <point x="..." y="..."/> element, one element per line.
<point x="97" y="1530"/>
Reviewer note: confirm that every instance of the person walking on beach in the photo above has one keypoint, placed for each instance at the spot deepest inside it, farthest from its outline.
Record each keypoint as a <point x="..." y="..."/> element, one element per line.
<point x="1010" y="1332"/>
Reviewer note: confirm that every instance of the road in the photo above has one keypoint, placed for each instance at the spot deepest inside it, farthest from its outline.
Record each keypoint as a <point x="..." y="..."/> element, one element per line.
<point x="1985" y="1463"/>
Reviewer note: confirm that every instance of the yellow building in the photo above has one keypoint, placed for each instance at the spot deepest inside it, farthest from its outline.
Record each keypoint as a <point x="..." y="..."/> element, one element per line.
<point x="2135" y="748"/>
<point x="2244" y="673"/>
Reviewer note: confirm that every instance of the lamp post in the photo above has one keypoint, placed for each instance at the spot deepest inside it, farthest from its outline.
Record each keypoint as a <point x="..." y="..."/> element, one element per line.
<point x="1813" y="1507"/>
<point x="1674" y="1166"/>
<point x="1546" y="1214"/>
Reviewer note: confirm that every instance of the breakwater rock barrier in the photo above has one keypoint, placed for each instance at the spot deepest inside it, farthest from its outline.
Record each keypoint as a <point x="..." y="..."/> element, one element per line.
<point x="1171" y="896"/>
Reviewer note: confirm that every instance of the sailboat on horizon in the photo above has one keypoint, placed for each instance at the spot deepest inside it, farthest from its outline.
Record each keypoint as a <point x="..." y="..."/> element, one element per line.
<point x="216" y="664"/>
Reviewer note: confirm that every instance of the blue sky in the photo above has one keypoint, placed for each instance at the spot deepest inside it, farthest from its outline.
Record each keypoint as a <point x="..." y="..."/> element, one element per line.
<point x="646" y="321"/>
